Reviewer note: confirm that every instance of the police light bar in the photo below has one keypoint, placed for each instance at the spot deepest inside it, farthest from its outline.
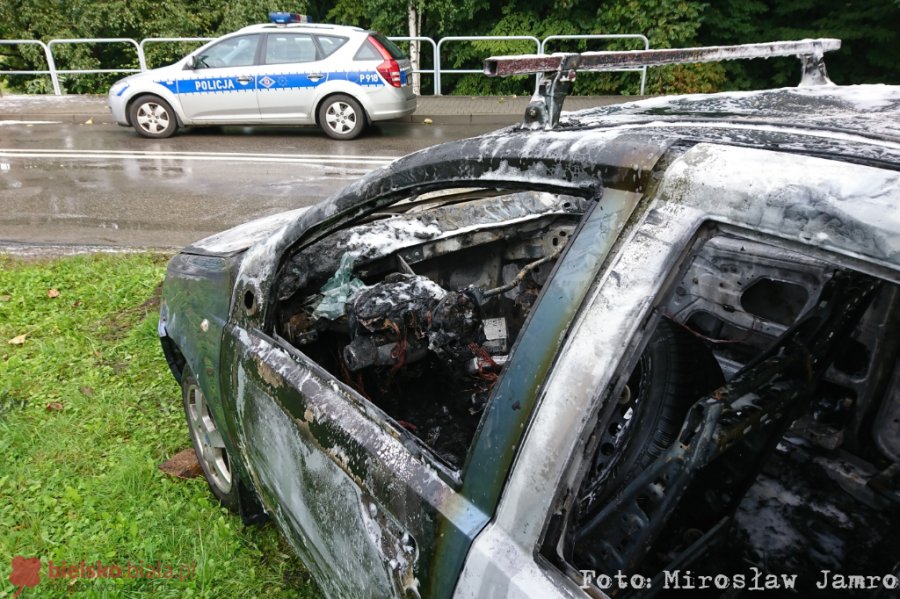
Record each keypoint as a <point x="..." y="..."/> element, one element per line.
<point x="283" y="18"/>
<point x="502" y="66"/>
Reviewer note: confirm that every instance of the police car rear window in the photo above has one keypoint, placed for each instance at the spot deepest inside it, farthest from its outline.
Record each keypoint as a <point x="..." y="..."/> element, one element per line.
<point x="367" y="52"/>
<point x="330" y="43"/>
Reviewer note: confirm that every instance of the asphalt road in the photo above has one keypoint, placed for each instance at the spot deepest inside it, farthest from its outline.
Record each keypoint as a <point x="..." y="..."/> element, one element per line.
<point x="99" y="184"/>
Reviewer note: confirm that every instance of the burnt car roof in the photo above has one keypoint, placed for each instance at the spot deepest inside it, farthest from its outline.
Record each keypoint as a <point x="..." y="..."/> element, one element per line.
<point x="854" y="124"/>
<point x="617" y="146"/>
<point x="871" y="111"/>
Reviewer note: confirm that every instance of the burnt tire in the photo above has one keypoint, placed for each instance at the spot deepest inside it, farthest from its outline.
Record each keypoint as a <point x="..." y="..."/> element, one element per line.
<point x="673" y="372"/>
<point x="153" y="117"/>
<point x="209" y="444"/>
<point x="342" y="117"/>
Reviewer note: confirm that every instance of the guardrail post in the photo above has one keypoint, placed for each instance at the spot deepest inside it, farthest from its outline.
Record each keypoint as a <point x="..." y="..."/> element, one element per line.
<point x="51" y="65"/>
<point x="48" y="56"/>
<point x="434" y="53"/>
<point x="476" y="38"/>
<point x="99" y="40"/>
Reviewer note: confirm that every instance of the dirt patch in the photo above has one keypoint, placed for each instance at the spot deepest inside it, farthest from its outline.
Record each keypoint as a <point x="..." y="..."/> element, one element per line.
<point x="121" y="322"/>
<point x="183" y="464"/>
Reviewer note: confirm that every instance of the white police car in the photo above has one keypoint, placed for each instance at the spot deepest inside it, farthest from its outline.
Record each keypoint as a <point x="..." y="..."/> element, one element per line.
<point x="281" y="73"/>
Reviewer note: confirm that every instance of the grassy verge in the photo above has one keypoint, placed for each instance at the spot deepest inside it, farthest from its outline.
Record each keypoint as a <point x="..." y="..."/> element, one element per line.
<point x="88" y="411"/>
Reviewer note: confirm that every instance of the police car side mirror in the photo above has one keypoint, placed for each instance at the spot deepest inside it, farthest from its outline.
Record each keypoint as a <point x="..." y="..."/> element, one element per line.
<point x="191" y="63"/>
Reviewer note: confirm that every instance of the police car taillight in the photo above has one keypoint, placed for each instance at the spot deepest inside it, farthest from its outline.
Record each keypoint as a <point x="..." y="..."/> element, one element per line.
<point x="283" y="18"/>
<point x="389" y="69"/>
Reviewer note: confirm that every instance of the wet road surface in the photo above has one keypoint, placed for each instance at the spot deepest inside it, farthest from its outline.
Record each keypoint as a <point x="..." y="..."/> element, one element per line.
<point x="101" y="184"/>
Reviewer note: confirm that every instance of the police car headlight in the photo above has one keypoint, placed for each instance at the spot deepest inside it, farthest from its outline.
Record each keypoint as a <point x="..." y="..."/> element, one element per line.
<point x="118" y="88"/>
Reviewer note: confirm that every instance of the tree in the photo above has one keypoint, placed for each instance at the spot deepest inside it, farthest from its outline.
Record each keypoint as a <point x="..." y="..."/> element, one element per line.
<point x="867" y="30"/>
<point x="667" y="23"/>
<point x="135" y="19"/>
<point x="434" y="19"/>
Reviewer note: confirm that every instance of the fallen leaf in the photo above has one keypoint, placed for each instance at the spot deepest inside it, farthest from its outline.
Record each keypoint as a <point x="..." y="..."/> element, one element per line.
<point x="427" y="121"/>
<point x="183" y="464"/>
<point x="54" y="406"/>
<point x="76" y="303"/>
<point x="89" y="122"/>
<point x="5" y="298"/>
<point x="87" y="391"/>
<point x="18" y="340"/>
<point x="53" y="293"/>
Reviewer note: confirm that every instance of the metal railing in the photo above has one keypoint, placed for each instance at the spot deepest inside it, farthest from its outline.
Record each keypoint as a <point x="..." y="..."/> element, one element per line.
<point x="100" y="40"/>
<point x="436" y="71"/>
<point x="48" y="56"/>
<point x="159" y="40"/>
<point x="434" y="55"/>
<point x="473" y="38"/>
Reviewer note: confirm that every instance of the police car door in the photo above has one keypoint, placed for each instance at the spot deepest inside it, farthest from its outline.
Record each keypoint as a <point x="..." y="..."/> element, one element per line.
<point x="221" y="86"/>
<point x="292" y="68"/>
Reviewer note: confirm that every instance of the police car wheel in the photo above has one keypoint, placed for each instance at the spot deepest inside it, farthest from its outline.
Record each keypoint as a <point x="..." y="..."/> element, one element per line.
<point x="341" y="117"/>
<point x="153" y="117"/>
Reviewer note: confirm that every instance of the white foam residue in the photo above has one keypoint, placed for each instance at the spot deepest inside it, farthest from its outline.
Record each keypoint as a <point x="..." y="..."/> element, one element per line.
<point x="389" y="235"/>
<point x="768" y="529"/>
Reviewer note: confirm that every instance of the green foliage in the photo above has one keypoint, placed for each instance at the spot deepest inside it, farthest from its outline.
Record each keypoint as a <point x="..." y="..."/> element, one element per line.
<point x="868" y="31"/>
<point x="135" y="19"/>
<point x="88" y="411"/>
<point x="666" y="23"/>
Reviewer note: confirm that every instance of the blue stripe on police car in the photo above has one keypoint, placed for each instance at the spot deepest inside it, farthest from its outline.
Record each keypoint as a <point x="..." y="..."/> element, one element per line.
<point x="268" y="82"/>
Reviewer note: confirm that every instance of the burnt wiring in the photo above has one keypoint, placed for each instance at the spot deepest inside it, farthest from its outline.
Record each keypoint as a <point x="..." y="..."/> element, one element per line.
<point x="523" y="273"/>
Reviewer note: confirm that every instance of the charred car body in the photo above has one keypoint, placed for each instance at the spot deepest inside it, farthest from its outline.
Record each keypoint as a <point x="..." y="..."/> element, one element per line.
<point x="613" y="342"/>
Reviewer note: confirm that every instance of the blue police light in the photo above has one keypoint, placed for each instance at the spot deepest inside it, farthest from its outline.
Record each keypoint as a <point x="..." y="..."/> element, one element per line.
<point x="283" y="18"/>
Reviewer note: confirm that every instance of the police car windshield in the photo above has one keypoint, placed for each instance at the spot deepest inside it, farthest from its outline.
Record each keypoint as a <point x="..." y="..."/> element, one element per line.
<point x="392" y="48"/>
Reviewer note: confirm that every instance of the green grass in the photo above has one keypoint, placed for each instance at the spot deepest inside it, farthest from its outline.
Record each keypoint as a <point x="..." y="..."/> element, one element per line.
<point x="83" y="482"/>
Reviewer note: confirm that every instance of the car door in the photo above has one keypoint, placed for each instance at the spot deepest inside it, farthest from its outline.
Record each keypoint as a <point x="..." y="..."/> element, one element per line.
<point x="292" y="69"/>
<point x="220" y="88"/>
<point x="367" y="510"/>
<point x="365" y="502"/>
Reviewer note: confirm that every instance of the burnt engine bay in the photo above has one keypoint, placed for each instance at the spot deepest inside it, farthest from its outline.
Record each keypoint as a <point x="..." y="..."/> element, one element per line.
<point x="418" y="311"/>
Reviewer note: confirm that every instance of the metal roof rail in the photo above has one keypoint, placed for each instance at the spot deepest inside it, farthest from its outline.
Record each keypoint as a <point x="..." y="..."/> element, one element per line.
<point x="559" y="69"/>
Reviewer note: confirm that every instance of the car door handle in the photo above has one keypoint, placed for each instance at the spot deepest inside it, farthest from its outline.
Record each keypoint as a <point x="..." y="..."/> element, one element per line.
<point x="244" y="79"/>
<point x="315" y="76"/>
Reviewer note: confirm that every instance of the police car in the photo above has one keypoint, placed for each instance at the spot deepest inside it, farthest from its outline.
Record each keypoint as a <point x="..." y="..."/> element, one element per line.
<point x="286" y="72"/>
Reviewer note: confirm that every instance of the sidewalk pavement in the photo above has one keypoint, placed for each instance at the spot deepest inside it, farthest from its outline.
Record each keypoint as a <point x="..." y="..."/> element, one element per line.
<point x="442" y="110"/>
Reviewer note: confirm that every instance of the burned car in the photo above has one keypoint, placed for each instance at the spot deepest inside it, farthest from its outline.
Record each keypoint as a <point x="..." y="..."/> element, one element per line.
<point x="650" y="347"/>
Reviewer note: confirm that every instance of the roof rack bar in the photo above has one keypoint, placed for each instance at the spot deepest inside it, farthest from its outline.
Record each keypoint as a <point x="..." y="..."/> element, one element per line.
<point x="502" y="66"/>
<point x="559" y="69"/>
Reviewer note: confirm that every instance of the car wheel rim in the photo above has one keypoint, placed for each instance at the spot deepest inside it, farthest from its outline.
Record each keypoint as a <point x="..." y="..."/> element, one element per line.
<point x="153" y="118"/>
<point x="208" y="440"/>
<point x="341" y="117"/>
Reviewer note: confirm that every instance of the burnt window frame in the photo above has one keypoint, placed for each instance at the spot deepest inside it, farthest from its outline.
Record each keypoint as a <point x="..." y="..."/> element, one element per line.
<point x="454" y="476"/>
<point x="551" y="541"/>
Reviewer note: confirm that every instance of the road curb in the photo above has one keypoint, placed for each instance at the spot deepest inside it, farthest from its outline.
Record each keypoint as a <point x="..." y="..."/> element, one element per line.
<point x="436" y="110"/>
